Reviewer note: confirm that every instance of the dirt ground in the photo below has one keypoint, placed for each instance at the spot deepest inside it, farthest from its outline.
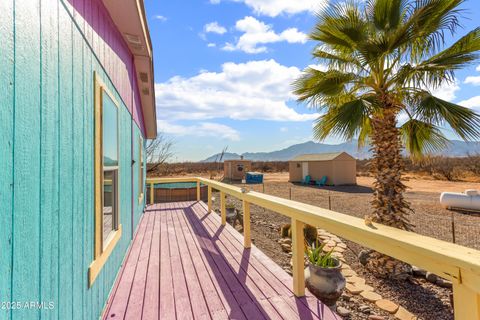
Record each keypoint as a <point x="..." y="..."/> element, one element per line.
<point x="425" y="300"/>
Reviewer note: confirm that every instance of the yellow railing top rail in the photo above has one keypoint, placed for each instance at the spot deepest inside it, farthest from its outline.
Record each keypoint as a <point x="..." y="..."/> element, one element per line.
<point x="452" y="261"/>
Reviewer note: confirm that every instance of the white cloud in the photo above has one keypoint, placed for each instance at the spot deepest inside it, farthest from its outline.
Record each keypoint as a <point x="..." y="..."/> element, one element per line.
<point x="203" y="129"/>
<point x="447" y="91"/>
<point x="472" y="103"/>
<point x="473" y="80"/>
<point x="274" y="8"/>
<point x="243" y="91"/>
<point x="283" y="129"/>
<point x="256" y="33"/>
<point x="214" y="27"/>
<point x="478" y="68"/>
<point x="211" y="45"/>
<point x="160" y="17"/>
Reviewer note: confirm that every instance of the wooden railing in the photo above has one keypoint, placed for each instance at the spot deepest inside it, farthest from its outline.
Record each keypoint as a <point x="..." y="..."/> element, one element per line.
<point x="459" y="264"/>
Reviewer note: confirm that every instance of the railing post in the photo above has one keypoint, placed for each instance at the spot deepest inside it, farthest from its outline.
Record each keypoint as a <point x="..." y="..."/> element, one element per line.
<point x="209" y="199"/>
<point x="223" y="210"/>
<point x="152" y="193"/>
<point x="466" y="302"/>
<point x="298" y="248"/>
<point x="198" y="190"/>
<point x="247" y="243"/>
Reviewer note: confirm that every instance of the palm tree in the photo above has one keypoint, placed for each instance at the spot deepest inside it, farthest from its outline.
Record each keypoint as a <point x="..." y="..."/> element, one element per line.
<point x="378" y="65"/>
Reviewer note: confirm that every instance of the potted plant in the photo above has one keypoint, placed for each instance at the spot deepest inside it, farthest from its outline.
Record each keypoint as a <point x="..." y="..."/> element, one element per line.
<point x="230" y="209"/>
<point x="322" y="276"/>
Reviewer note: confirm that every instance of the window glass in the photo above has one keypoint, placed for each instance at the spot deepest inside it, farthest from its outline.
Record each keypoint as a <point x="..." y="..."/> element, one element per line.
<point x="110" y="166"/>
<point x="109" y="203"/>
<point x="110" y="132"/>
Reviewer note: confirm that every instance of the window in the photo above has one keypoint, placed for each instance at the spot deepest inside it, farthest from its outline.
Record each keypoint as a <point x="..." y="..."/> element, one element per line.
<point x="239" y="167"/>
<point x="107" y="223"/>
<point x="140" y="174"/>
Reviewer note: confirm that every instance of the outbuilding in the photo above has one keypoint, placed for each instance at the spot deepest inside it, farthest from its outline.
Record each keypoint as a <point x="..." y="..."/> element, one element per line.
<point x="236" y="169"/>
<point x="340" y="168"/>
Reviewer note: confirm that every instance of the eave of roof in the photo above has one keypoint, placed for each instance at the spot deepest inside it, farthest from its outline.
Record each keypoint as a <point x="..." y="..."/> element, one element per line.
<point x="317" y="157"/>
<point x="130" y="19"/>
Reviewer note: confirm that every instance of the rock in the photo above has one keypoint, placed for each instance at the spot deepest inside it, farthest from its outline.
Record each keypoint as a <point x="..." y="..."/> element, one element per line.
<point x="370" y="296"/>
<point x="387" y="305"/>
<point x="418" y="271"/>
<point x="443" y="283"/>
<point x="327" y="248"/>
<point x="331" y="243"/>
<point x="431" y="277"/>
<point x="338" y="249"/>
<point x="348" y="273"/>
<point x="337" y="255"/>
<point x="286" y="247"/>
<point x="342" y="245"/>
<point x="287" y="241"/>
<point x="375" y="317"/>
<point x="353" y="289"/>
<point x="364" y="308"/>
<point x="356" y="280"/>
<point x="403" y="314"/>
<point x="365" y="287"/>
<point x="346" y="297"/>
<point x="363" y="256"/>
<point x="343" y="311"/>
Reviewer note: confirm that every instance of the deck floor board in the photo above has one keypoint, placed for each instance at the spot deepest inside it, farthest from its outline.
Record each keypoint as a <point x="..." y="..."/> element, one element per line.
<point x="183" y="264"/>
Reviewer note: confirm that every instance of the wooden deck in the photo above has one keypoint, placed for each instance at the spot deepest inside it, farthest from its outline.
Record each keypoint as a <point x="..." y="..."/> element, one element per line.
<point x="183" y="264"/>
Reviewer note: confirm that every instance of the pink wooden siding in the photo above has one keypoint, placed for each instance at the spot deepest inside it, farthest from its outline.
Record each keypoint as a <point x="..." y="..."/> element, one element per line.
<point x="112" y="51"/>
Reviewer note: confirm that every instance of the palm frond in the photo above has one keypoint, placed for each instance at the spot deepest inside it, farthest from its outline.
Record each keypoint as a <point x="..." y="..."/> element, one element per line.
<point x="344" y="121"/>
<point x="463" y="121"/>
<point x="386" y="14"/>
<point x="313" y="85"/>
<point x="422" y="137"/>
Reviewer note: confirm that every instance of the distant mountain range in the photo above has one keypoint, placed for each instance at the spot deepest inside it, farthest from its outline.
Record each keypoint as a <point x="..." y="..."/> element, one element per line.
<point x="456" y="148"/>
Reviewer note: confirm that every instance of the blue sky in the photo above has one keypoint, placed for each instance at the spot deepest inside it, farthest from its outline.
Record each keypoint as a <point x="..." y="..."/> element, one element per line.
<point x="223" y="70"/>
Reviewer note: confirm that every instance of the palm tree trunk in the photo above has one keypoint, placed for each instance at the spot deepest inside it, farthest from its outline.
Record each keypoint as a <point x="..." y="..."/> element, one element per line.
<point x="386" y="166"/>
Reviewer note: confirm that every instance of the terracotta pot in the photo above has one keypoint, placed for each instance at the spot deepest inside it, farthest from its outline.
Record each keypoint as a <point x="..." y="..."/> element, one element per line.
<point x="327" y="284"/>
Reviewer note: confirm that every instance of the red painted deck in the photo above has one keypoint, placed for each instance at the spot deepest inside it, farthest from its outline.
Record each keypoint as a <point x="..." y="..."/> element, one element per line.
<point x="184" y="265"/>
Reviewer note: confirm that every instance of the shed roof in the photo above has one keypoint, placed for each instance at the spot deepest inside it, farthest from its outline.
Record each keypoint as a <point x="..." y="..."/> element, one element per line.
<point x="320" y="156"/>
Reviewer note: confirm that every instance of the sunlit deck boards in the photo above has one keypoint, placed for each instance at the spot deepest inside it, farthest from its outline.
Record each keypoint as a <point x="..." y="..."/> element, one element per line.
<point x="184" y="265"/>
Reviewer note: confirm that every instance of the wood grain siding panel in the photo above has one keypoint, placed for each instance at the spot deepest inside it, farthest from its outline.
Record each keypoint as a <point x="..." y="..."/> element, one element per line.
<point x="7" y="84"/>
<point x="50" y="111"/>
<point x="27" y="112"/>
<point x="111" y="50"/>
<point x="78" y="172"/>
<point x="65" y="289"/>
<point x="46" y="190"/>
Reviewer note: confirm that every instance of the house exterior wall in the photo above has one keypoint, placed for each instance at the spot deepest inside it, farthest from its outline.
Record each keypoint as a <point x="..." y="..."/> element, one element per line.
<point x="49" y="52"/>
<point x="230" y="169"/>
<point x="318" y="169"/>
<point x="339" y="172"/>
<point x="295" y="171"/>
<point x="344" y="172"/>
